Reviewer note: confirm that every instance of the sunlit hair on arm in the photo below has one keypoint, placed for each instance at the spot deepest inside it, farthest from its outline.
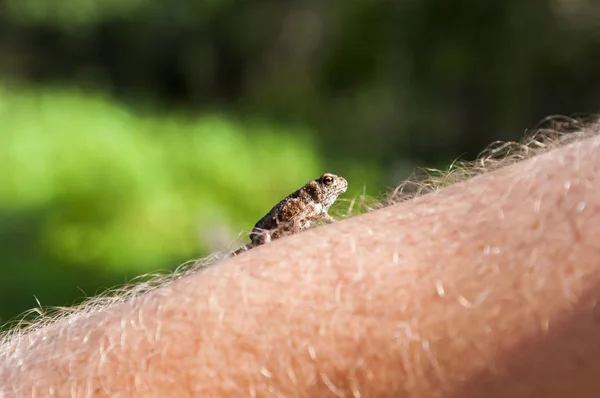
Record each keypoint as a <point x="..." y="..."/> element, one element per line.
<point x="551" y="133"/>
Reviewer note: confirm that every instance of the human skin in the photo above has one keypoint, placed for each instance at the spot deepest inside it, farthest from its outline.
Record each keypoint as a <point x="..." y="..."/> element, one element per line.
<point x="486" y="288"/>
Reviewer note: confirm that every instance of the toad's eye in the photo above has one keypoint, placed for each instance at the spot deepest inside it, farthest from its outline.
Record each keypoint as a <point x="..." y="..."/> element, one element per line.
<point x="327" y="180"/>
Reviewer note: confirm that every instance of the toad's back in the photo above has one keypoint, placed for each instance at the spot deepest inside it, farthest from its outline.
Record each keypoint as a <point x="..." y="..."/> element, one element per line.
<point x="299" y="210"/>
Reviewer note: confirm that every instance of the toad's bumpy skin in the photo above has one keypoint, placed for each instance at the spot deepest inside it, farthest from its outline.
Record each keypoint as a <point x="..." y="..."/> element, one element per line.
<point x="298" y="211"/>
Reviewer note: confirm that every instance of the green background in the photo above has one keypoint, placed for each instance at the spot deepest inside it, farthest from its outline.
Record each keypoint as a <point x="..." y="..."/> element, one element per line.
<point x="138" y="134"/>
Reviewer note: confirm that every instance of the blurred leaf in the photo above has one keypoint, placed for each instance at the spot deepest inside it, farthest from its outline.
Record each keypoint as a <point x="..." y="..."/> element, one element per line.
<point x="118" y="190"/>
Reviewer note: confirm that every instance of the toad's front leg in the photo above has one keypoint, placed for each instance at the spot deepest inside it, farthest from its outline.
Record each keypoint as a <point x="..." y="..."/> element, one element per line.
<point x="328" y="219"/>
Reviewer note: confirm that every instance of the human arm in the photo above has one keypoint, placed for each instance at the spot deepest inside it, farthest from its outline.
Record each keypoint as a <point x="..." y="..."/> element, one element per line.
<point x="485" y="288"/>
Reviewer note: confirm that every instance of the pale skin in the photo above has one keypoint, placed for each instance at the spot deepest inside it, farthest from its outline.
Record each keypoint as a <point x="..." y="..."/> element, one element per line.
<point x="486" y="288"/>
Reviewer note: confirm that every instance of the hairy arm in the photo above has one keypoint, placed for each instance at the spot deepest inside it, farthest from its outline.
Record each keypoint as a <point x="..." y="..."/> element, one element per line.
<point x="486" y="288"/>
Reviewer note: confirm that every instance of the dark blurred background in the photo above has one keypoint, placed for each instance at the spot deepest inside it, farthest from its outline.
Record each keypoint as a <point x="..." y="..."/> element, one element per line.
<point x="137" y="134"/>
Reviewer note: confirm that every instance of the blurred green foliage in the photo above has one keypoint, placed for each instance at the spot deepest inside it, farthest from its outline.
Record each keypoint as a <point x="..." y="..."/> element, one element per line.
<point x="137" y="134"/>
<point x="88" y="185"/>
